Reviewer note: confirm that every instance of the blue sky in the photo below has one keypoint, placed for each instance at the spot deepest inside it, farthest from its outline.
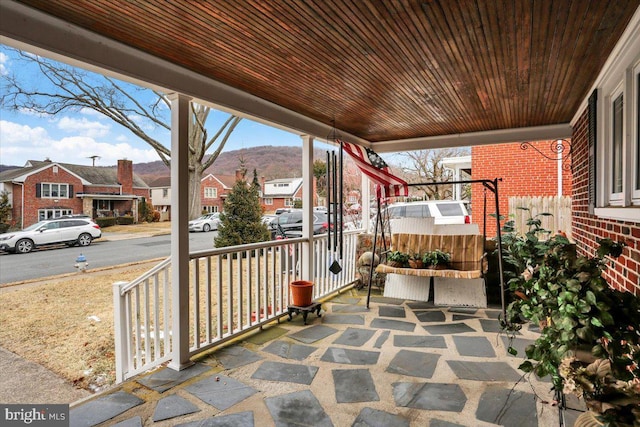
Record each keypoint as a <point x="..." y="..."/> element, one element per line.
<point x="74" y="136"/>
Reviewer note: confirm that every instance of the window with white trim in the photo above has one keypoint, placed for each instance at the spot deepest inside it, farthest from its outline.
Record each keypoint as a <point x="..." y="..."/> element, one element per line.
<point x="210" y="192"/>
<point x="635" y="108"/>
<point x="616" y="147"/>
<point x="268" y="200"/>
<point x="288" y="203"/>
<point x="54" y="191"/>
<point x="614" y="176"/>
<point x="53" y="213"/>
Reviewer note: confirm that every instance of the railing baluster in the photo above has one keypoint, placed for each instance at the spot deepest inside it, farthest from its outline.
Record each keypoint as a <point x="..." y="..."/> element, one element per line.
<point x="167" y="313"/>
<point x="219" y="300"/>
<point x="196" y="302"/>
<point x="240" y="285"/>
<point x="230" y="292"/>
<point x="156" y="317"/>
<point x="208" y="298"/>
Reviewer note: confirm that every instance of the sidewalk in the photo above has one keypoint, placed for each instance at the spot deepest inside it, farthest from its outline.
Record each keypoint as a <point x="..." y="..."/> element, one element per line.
<point x="28" y="382"/>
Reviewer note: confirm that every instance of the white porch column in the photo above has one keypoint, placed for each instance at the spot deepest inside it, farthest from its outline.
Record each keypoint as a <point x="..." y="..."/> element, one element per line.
<point x="180" y="229"/>
<point x="307" y="207"/>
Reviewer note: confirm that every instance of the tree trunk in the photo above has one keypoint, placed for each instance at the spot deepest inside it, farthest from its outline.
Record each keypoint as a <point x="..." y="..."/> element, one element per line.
<point x="195" y="175"/>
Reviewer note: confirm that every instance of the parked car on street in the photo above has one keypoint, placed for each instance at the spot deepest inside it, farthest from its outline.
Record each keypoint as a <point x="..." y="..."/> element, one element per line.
<point x="443" y="211"/>
<point x="205" y="223"/>
<point x="69" y="230"/>
<point x="289" y="224"/>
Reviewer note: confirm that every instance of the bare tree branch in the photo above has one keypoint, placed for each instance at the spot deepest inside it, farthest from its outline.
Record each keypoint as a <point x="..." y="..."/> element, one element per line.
<point x="73" y="89"/>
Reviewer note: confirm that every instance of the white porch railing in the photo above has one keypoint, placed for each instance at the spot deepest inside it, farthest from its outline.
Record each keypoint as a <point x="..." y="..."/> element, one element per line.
<point x="232" y="290"/>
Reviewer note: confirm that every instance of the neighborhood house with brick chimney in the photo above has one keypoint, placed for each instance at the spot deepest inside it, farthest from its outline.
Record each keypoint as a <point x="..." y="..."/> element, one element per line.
<point x="47" y="189"/>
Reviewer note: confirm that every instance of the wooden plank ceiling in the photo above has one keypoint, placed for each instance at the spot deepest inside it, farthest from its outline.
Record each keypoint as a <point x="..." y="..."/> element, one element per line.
<point x="383" y="69"/>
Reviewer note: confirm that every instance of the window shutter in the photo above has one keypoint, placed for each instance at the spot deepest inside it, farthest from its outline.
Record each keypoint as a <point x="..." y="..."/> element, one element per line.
<point x="593" y="129"/>
<point x="38" y="190"/>
<point x="71" y="191"/>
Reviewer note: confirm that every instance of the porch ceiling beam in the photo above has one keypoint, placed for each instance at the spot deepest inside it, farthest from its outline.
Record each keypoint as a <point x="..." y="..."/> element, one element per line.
<point x="538" y="133"/>
<point x="25" y="28"/>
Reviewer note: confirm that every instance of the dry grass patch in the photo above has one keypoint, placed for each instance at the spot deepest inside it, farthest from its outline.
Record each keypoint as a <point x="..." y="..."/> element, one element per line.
<point x="51" y="324"/>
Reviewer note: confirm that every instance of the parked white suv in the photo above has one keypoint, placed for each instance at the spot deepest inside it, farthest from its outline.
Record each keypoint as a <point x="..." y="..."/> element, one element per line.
<point x="444" y="211"/>
<point x="68" y="230"/>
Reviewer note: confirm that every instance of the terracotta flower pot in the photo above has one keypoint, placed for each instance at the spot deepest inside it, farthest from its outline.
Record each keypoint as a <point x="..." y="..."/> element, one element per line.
<point x="301" y="293"/>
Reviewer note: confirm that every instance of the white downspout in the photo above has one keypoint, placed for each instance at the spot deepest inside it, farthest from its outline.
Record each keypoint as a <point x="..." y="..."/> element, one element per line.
<point x="559" y="173"/>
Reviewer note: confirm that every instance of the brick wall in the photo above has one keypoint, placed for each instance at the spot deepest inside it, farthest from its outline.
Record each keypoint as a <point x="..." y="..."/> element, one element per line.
<point x="125" y="176"/>
<point x="624" y="272"/>
<point x="33" y="203"/>
<point x="523" y="173"/>
<point x="211" y="182"/>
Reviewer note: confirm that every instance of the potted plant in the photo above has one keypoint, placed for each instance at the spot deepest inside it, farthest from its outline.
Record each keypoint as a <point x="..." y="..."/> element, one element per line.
<point x="397" y="259"/>
<point x="436" y="259"/>
<point x="589" y="342"/>
<point x="415" y="260"/>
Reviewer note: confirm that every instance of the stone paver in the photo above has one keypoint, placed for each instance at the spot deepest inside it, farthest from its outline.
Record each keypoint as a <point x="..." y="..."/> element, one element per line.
<point x="430" y="316"/>
<point x="102" y="409"/>
<point x="430" y="396"/>
<point x="507" y="407"/>
<point x="288" y="350"/>
<point x="242" y="419"/>
<point x="236" y="356"/>
<point x="131" y="422"/>
<point x="448" y="328"/>
<point x="483" y="371"/>
<point x="343" y="319"/>
<point x="384" y="336"/>
<point x="166" y="378"/>
<point x="451" y="373"/>
<point x="220" y="391"/>
<point x="354" y="385"/>
<point x="350" y="357"/>
<point x="312" y="334"/>
<point x="419" y="341"/>
<point x="300" y="408"/>
<point x="414" y="363"/>
<point x="370" y="417"/>
<point x="474" y="346"/>
<point x="173" y="406"/>
<point x="355" y="337"/>
<point x="397" y="325"/>
<point x="391" y="311"/>
<point x="286" y="372"/>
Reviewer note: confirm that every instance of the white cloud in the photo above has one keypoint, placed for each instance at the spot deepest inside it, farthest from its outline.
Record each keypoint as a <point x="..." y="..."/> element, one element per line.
<point x="143" y="122"/>
<point x="4" y="60"/>
<point x="91" y="112"/>
<point x="83" y="127"/>
<point x="20" y="143"/>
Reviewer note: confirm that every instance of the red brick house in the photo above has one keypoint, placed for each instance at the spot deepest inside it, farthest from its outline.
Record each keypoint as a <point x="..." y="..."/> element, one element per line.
<point x="213" y="192"/>
<point x="46" y="189"/>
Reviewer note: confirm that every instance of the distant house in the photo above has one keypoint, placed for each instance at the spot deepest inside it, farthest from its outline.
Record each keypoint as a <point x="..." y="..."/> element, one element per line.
<point x="283" y="193"/>
<point x="213" y="192"/>
<point x="47" y="189"/>
<point x="160" y="190"/>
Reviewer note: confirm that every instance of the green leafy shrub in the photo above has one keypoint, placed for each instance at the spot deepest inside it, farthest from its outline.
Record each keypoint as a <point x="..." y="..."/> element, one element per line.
<point x="106" y="221"/>
<point x="579" y="313"/>
<point x="124" y="220"/>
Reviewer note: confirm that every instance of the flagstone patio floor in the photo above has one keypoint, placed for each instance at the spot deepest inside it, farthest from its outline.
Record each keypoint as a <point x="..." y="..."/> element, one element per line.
<point x="398" y="363"/>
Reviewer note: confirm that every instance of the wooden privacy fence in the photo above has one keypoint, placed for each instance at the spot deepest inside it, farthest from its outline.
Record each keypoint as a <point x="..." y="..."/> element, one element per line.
<point x="558" y="206"/>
